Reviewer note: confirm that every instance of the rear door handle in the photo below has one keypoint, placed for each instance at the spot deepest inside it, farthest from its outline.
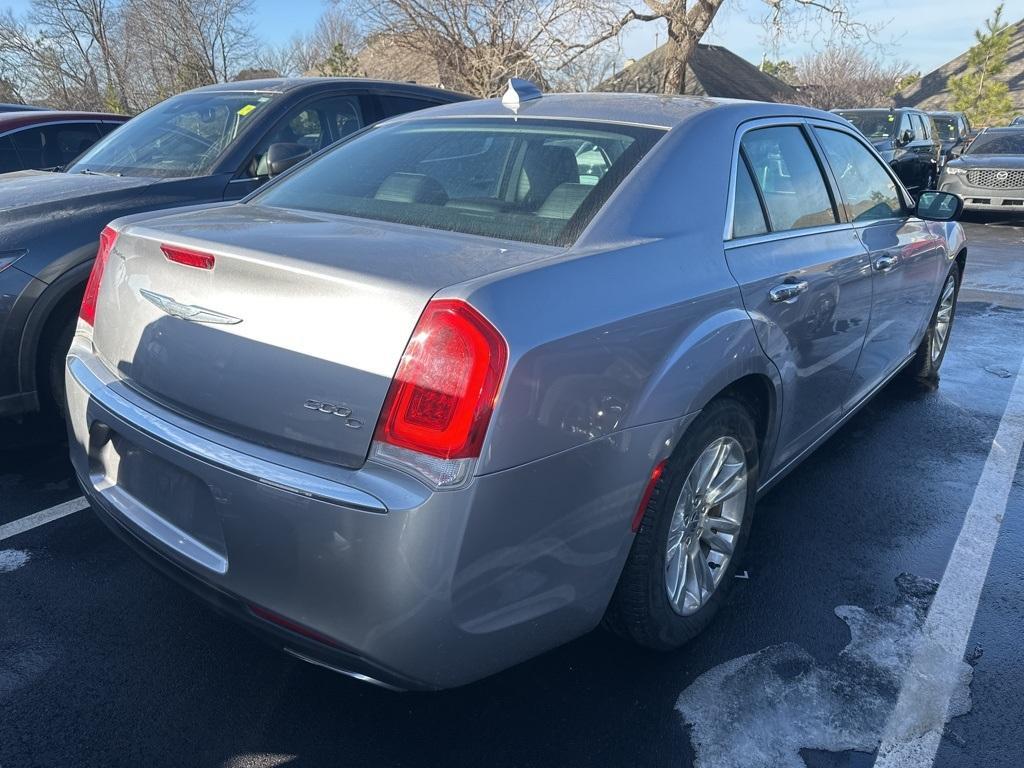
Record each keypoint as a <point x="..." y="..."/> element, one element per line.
<point x="885" y="263"/>
<point x="787" y="292"/>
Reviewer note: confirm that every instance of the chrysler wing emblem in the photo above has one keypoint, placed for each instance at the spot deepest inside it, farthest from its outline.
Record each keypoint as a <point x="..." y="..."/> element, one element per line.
<point x="188" y="312"/>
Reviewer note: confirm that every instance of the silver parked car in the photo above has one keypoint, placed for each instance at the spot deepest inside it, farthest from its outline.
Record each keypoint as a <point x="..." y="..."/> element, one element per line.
<point x="461" y="388"/>
<point x="989" y="176"/>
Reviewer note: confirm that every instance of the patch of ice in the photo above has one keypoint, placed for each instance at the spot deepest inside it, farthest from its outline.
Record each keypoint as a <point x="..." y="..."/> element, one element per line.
<point x="12" y="559"/>
<point x="760" y="710"/>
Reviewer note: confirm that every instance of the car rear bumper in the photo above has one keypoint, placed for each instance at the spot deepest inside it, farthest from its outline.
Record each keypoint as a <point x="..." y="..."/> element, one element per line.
<point x="366" y="571"/>
<point x="983" y="198"/>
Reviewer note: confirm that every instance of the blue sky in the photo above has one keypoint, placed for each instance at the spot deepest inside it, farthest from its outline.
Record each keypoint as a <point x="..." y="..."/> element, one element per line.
<point x="927" y="33"/>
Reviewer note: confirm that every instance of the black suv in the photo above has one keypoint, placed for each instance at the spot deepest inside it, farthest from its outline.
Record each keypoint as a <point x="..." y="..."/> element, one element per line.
<point x="212" y="144"/>
<point x="954" y="130"/>
<point x="906" y="139"/>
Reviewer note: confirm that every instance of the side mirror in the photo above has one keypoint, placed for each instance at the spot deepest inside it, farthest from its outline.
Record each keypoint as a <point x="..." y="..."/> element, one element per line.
<point x="906" y="137"/>
<point x="939" y="206"/>
<point x="282" y="156"/>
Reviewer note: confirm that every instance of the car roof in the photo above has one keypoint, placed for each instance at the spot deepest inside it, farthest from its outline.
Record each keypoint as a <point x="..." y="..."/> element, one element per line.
<point x="292" y="84"/>
<point x="11" y="120"/>
<point x="944" y="113"/>
<point x="624" y="108"/>
<point x="1005" y="129"/>
<point x="885" y="109"/>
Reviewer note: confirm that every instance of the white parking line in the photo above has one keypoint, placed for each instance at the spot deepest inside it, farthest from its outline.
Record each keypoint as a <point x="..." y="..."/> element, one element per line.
<point x="42" y="518"/>
<point x="913" y="732"/>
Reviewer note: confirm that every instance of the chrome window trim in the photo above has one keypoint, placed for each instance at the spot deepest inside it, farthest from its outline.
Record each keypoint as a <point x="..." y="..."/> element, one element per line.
<point x="804" y="124"/>
<point x="787" y="234"/>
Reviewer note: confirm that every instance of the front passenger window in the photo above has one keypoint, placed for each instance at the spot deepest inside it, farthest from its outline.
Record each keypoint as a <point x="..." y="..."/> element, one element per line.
<point x="789" y="178"/>
<point x="867" y="189"/>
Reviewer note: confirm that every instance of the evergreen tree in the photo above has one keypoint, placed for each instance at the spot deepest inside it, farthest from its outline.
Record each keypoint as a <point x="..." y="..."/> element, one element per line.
<point x="979" y="91"/>
<point x="340" y="63"/>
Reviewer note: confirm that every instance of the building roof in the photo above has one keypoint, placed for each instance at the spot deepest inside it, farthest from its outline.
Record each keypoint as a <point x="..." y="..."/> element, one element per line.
<point x="931" y="92"/>
<point x="386" y="58"/>
<point x="712" y="71"/>
<point x="628" y="108"/>
<point x="408" y="59"/>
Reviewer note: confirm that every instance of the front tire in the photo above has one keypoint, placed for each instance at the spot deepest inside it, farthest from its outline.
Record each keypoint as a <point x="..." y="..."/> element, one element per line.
<point x="54" y="399"/>
<point x="932" y="350"/>
<point x="693" y="533"/>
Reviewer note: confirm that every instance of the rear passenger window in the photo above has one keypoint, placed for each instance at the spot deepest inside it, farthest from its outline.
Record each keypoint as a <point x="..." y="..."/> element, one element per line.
<point x="8" y="157"/>
<point x="747" y="214"/>
<point x="789" y="178"/>
<point x="399" y="105"/>
<point x="867" y="189"/>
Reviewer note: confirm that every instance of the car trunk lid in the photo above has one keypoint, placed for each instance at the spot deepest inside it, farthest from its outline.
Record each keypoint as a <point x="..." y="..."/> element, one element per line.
<point x="292" y="338"/>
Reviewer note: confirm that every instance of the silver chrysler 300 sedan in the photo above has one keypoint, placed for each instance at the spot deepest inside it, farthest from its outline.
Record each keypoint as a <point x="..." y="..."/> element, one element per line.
<point x="460" y="389"/>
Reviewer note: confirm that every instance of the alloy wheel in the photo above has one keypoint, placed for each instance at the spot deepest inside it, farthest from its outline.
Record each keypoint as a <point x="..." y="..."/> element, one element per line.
<point x="706" y="524"/>
<point x="943" y="318"/>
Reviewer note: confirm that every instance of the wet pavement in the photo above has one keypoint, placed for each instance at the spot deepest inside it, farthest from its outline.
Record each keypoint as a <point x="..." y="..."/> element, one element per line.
<point x="105" y="663"/>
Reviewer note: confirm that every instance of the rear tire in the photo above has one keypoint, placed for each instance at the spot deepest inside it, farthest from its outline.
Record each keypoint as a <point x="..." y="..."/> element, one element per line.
<point x="52" y="396"/>
<point x="657" y="603"/>
<point x="932" y="350"/>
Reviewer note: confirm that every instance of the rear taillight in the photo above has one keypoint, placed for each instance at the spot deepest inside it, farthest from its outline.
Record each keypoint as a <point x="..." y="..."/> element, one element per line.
<point x="439" y="405"/>
<point x="92" y="288"/>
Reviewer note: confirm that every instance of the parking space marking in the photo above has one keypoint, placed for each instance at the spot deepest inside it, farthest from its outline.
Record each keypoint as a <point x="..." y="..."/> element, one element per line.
<point x="42" y="518"/>
<point x="914" y="729"/>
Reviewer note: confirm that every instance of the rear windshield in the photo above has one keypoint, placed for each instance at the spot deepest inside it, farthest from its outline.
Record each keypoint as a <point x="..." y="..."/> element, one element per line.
<point x="537" y="181"/>
<point x="1009" y="143"/>
<point x="874" y="125"/>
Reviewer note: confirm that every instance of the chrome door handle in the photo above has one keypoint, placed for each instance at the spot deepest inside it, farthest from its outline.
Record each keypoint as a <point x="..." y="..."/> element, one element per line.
<point x="787" y="291"/>
<point x="885" y="263"/>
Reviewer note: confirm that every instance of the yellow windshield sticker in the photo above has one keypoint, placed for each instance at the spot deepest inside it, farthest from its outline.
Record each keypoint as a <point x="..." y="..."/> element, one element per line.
<point x="246" y="109"/>
<point x="892" y="118"/>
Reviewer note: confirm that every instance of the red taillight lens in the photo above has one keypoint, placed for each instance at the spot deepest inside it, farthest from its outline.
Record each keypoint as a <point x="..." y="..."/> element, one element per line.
<point x="189" y="258"/>
<point x="441" y="399"/>
<point x="92" y="288"/>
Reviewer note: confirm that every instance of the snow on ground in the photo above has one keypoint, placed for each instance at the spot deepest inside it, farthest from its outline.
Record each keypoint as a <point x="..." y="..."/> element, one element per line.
<point x="760" y="710"/>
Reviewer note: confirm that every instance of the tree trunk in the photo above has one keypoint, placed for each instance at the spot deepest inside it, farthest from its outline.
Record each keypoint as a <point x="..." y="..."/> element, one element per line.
<point x="686" y="26"/>
<point x="678" y="51"/>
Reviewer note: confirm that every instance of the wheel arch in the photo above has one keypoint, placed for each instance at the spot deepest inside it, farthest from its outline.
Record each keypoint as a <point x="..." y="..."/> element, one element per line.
<point x="50" y="306"/>
<point x="721" y="357"/>
<point x="961" y="260"/>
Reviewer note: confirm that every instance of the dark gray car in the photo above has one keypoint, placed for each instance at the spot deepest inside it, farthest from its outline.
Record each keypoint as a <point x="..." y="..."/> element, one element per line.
<point x="954" y="131"/>
<point x="990" y="174"/>
<point x="457" y="390"/>
<point x="211" y="144"/>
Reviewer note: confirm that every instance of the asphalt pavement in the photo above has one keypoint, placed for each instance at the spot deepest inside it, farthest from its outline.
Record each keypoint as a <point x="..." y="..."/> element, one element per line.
<point x="105" y="663"/>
